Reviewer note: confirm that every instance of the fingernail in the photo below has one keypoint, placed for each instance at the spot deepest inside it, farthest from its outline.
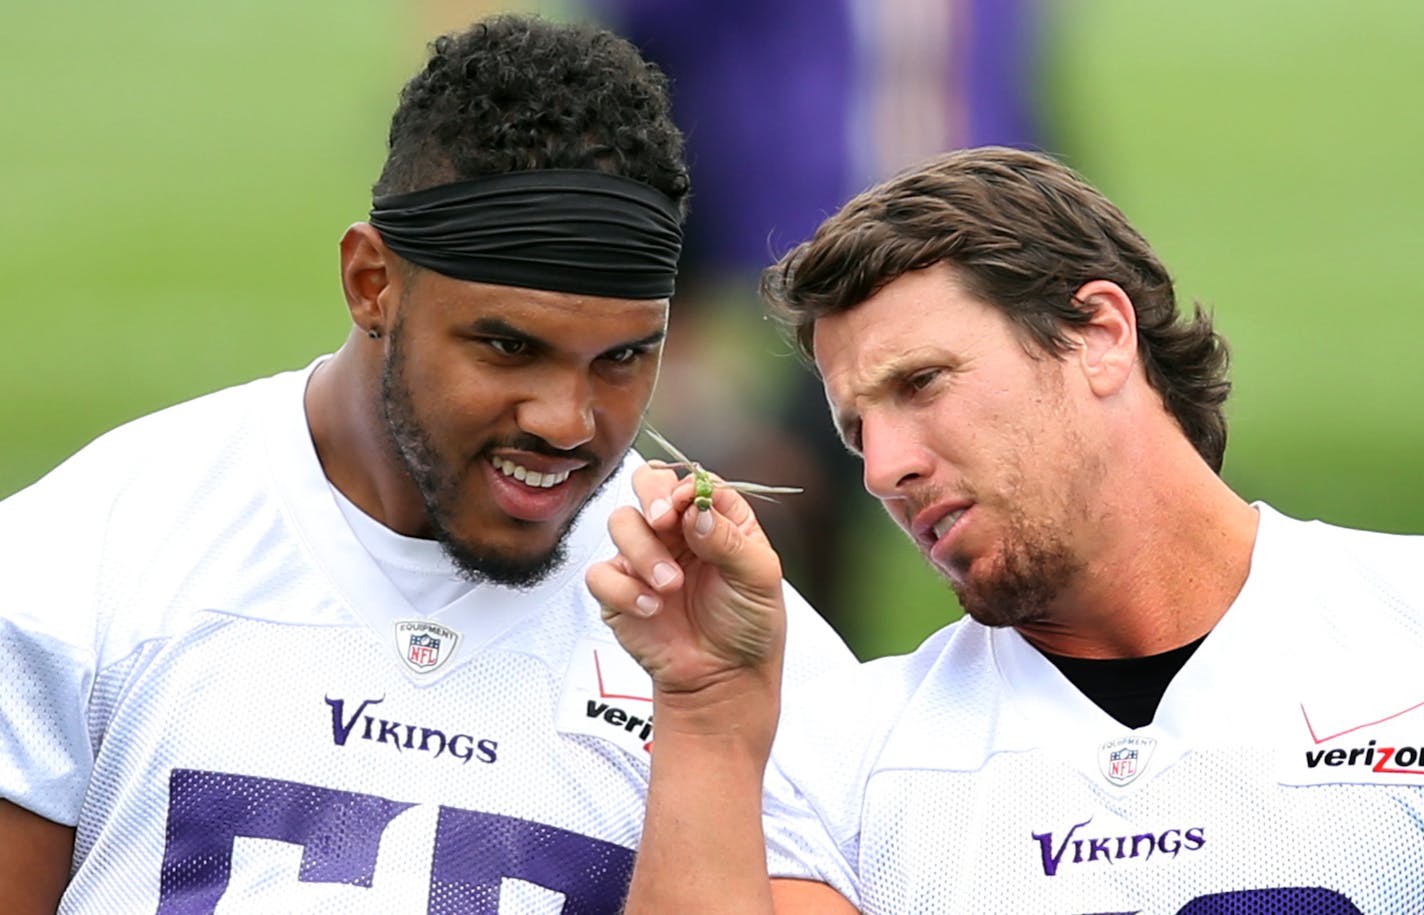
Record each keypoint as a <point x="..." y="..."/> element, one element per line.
<point x="663" y="574"/>
<point x="647" y="604"/>
<point x="659" y="508"/>
<point x="704" y="523"/>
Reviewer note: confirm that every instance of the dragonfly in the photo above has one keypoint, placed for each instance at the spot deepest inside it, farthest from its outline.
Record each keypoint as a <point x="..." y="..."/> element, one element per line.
<point x="704" y="484"/>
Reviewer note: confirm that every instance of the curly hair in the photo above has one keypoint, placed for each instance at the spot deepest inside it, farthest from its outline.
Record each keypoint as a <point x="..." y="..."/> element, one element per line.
<point x="518" y="93"/>
<point x="1023" y="233"/>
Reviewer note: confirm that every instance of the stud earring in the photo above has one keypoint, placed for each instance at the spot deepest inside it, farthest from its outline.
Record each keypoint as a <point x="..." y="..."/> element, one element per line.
<point x="373" y="334"/>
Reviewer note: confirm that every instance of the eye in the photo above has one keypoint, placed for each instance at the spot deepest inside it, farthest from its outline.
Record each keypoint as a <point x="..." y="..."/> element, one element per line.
<point x="507" y="346"/>
<point x="625" y="355"/>
<point x="921" y="379"/>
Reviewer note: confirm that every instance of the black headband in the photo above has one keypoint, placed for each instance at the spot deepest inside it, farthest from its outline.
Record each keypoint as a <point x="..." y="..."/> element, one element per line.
<point x="564" y="230"/>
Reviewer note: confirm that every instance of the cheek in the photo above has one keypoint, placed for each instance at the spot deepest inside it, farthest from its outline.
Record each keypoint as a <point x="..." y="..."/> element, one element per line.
<point x="621" y="407"/>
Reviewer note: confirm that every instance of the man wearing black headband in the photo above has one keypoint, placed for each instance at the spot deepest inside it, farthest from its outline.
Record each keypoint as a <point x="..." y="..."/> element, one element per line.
<point x="321" y="642"/>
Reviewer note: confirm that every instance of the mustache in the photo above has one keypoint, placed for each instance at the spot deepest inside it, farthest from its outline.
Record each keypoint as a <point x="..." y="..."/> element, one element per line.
<point x="532" y="443"/>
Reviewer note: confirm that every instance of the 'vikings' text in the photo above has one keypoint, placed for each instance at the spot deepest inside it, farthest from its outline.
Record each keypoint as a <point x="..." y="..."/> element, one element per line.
<point x="405" y="736"/>
<point x="1115" y="848"/>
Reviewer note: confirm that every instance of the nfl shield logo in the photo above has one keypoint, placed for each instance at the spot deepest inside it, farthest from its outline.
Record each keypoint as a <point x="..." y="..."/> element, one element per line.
<point x="1124" y="759"/>
<point x="424" y="650"/>
<point x="1122" y="764"/>
<point x="425" y="646"/>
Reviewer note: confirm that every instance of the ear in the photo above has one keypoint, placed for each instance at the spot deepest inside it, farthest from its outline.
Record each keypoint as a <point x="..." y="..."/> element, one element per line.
<point x="1107" y="344"/>
<point x="369" y="278"/>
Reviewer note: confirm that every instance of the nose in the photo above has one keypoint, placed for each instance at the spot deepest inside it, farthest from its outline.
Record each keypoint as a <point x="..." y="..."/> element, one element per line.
<point x="560" y="410"/>
<point x="892" y="454"/>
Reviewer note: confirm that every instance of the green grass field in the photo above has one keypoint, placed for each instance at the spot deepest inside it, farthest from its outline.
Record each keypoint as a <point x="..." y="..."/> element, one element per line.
<point x="178" y="176"/>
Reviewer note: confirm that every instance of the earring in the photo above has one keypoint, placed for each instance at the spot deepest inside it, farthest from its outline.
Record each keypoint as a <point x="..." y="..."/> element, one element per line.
<point x="373" y="334"/>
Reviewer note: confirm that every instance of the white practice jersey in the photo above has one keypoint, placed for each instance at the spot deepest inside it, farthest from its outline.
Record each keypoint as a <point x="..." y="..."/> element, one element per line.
<point x="1283" y="773"/>
<point x="204" y="670"/>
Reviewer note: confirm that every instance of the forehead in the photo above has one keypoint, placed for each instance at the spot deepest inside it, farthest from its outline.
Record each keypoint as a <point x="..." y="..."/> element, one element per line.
<point x="581" y="321"/>
<point x="925" y="314"/>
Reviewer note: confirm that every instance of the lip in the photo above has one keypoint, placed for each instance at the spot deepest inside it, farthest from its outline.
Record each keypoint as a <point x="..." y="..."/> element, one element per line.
<point x="537" y="504"/>
<point x="922" y="525"/>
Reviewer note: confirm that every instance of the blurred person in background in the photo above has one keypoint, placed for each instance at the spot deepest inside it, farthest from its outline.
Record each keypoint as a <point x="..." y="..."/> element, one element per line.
<point x="321" y="642"/>
<point x="1164" y="698"/>
<point x="789" y="108"/>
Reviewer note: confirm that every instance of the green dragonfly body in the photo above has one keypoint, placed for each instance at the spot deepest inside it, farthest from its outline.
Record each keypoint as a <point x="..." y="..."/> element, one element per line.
<point x="704" y="483"/>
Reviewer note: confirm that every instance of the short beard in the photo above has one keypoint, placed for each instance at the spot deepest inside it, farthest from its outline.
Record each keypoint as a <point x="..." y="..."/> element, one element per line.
<point x="439" y="489"/>
<point x="1021" y="587"/>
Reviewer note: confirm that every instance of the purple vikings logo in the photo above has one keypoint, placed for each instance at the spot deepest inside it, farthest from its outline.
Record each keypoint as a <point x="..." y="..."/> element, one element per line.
<point x="1124" y="759"/>
<point x="425" y="646"/>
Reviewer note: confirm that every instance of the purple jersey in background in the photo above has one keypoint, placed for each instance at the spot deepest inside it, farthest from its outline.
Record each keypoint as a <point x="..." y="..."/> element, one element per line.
<point x="791" y="106"/>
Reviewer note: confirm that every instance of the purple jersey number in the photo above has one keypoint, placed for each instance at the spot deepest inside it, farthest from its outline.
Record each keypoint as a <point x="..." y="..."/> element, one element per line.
<point x="1279" y="901"/>
<point x="1282" y="901"/>
<point x="340" y="835"/>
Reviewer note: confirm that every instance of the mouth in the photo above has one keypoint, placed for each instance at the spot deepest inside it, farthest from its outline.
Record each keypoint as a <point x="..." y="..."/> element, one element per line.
<point x="536" y="488"/>
<point x="528" y="476"/>
<point x="930" y="526"/>
<point x="942" y="526"/>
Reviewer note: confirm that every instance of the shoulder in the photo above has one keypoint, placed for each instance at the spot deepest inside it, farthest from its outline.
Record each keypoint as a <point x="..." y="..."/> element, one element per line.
<point x="839" y="728"/>
<point x="162" y="448"/>
<point x="1345" y="606"/>
<point x="931" y="707"/>
<point x="116" y="509"/>
<point x="1384" y="566"/>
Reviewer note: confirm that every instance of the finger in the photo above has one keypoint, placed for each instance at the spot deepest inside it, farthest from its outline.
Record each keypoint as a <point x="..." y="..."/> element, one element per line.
<point x="660" y="493"/>
<point x="618" y="592"/>
<point x="648" y="555"/>
<point x="740" y="550"/>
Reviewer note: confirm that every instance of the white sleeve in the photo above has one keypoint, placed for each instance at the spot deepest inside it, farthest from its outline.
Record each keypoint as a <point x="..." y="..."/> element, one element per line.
<point x="798" y="843"/>
<point x="47" y="654"/>
<point x="813" y="649"/>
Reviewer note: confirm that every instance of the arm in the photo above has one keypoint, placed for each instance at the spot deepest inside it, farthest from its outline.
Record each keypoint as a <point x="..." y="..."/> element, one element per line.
<point x="35" y="854"/>
<point x="711" y="632"/>
<point x="807" y="897"/>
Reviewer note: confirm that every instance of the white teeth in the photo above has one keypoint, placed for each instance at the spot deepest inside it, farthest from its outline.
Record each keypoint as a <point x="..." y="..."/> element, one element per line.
<point x="529" y="477"/>
<point x="946" y="523"/>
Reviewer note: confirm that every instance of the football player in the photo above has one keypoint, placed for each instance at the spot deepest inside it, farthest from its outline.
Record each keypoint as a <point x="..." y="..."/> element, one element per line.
<point x="1164" y="699"/>
<point x="321" y="642"/>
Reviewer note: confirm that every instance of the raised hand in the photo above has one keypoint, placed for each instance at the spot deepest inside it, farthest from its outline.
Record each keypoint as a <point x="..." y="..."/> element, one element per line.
<point x="695" y="596"/>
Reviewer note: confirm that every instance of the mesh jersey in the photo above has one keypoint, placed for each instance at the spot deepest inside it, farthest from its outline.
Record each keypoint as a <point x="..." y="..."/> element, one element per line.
<point x="1283" y="773"/>
<point x="202" y="670"/>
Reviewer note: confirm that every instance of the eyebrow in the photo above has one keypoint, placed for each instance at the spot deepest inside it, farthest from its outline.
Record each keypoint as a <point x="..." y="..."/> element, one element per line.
<point x="499" y="327"/>
<point x="886" y="376"/>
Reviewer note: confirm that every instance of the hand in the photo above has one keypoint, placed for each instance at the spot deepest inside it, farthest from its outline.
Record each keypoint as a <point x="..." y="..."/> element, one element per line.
<point x="695" y="596"/>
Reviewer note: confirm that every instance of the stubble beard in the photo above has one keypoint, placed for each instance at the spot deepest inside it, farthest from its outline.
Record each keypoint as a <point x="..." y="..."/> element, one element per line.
<point x="439" y="489"/>
<point x="1036" y="563"/>
<point x="1024" y="580"/>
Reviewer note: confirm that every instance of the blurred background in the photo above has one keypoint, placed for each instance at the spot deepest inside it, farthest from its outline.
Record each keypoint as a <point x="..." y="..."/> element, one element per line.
<point x="178" y="176"/>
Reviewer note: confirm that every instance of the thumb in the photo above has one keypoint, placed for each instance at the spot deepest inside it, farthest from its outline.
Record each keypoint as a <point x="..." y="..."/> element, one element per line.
<point x="738" y="549"/>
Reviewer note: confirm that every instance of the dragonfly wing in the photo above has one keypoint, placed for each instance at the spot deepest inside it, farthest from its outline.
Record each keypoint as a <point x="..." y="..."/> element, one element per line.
<point x="673" y="465"/>
<point x="667" y="446"/>
<point x="758" y="489"/>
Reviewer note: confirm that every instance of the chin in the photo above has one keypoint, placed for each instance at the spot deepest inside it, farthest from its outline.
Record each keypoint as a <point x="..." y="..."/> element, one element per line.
<point x="521" y="571"/>
<point x="529" y="563"/>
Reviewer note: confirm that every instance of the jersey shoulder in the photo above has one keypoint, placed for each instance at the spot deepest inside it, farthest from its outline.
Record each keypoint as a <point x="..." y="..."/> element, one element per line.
<point x="148" y="505"/>
<point x="839" y="729"/>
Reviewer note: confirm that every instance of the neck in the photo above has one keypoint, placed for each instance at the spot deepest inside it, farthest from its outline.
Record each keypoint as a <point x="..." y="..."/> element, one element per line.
<point x="1170" y="552"/>
<point x="348" y="429"/>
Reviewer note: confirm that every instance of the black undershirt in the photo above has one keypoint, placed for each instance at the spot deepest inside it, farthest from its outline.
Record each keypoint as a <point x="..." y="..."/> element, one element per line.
<point x="1128" y="689"/>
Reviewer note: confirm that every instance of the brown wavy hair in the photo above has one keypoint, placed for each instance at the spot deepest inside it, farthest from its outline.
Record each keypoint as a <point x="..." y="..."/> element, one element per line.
<point x="1024" y="233"/>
